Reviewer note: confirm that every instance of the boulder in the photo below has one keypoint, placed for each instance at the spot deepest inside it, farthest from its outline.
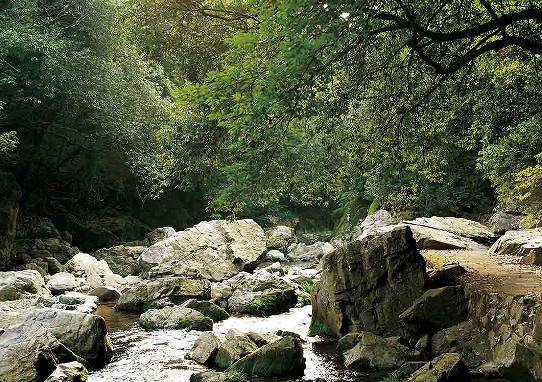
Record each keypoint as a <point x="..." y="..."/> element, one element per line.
<point x="177" y="289"/>
<point x="372" y="352"/>
<point x="430" y="238"/>
<point x="261" y="339"/>
<point x="214" y="250"/>
<point x="205" y="348"/>
<point x="379" y="219"/>
<point x="76" y="301"/>
<point x="460" y="227"/>
<point x="526" y="244"/>
<point x="514" y="361"/>
<point x="261" y="294"/>
<point x="447" y="275"/>
<point x="10" y="195"/>
<point x="84" y="334"/>
<point x="275" y="255"/>
<point x="62" y="282"/>
<point x="208" y="309"/>
<point x="235" y="346"/>
<point x="447" y="367"/>
<point x="366" y="284"/>
<point x="280" y="358"/>
<point x="436" y="309"/>
<point x="95" y="272"/>
<point x="502" y="221"/>
<point x="175" y="317"/>
<point x="309" y="252"/>
<point x="404" y="371"/>
<point x="14" y="312"/>
<point x="208" y="376"/>
<point x="280" y="237"/>
<point x="69" y="372"/>
<point x="121" y="259"/>
<point x="15" y="285"/>
<point x="29" y="352"/>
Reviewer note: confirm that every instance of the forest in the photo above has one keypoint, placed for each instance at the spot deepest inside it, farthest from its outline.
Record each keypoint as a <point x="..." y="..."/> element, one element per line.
<point x="256" y="108"/>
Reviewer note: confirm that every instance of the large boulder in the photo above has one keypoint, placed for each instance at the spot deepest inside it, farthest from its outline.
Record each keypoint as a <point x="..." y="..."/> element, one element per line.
<point x="121" y="259"/>
<point x="447" y="367"/>
<point x="280" y="237"/>
<point x="159" y="234"/>
<point x="205" y="348"/>
<point x="235" y="346"/>
<point x="280" y="358"/>
<point x="29" y="352"/>
<point x="95" y="272"/>
<point x="366" y="284"/>
<point x="10" y="195"/>
<point x="463" y="228"/>
<point x="372" y="352"/>
<point x="208" y="309"/>
<point x="175" y="317"/>
<point x="436" y="309"/>
<point x="526" y="244"/>
<point x="176" y="289"/>
<point x="15" y="285"/>
<point x="503" y="220"/>
<point x="84" y="334"/>
<point x="69" y="372"/>
<point x="215" y="250"/>
<point x="260" y="294"/>
<point x="62" y="282"/>
<point x="446" y="275"/>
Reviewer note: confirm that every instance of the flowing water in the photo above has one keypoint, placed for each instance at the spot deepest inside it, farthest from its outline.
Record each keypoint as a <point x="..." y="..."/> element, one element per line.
<point x="143" y="356"/>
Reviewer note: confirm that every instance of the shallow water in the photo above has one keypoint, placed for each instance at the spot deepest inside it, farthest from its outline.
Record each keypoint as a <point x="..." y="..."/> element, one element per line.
<point x="141" y="356"/>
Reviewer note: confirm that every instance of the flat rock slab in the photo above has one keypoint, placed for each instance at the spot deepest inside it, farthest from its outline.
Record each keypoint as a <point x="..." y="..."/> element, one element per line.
<point x="461" y="227"/>
<point x="526" y="244"/>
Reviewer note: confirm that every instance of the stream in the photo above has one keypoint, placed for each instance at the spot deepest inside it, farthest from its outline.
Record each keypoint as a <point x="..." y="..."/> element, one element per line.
<point x="148" y="356"/>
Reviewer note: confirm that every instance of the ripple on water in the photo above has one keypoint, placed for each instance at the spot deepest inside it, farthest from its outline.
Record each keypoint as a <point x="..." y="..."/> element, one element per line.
<point x="143" y="356"/>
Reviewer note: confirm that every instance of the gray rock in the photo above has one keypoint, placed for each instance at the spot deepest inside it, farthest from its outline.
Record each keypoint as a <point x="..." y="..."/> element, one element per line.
<point x="514" y="360"/>
<point x="214" y="250"/>
<point x="365" y="285"/>
<point x="177" y="289"/>
<point x="280" y="237"/>
<point x="208" y="309"/>
<point x="280" y="358"/>
<point x="94" y="272"/>
<point x="62" y="282"/>
<point x="208" y="376"/>
<point x="447" y="367"/>
<point x="261" y="294"/>
<point x="15" y="285"/>
<point x="502" y="221"/>
<point x="175" y="317"/>
<point x="372" y="352"/>
<point x="30" y="352"/>
<point x="69" y="372"/>
<point x="463" y="228"/>
<point x="436" y="309"/>
<point x="121" y="259"/>
<point x="379" y="219"/>
<point x="526" y="244"/>
<point x="235" y="346"/>
<point x="205" y="348"/>
<point x="84" y="334"/>
<point x="309" y="252"/>
<point x="275" y="255"/>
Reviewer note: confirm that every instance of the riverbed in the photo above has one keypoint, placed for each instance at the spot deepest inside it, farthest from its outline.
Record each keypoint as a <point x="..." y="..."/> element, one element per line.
<point x="148" y="356"/>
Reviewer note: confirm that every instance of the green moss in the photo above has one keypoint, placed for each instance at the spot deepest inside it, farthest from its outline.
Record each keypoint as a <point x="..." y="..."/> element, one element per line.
<point x="235" y="376"/>
<point x="304" y="299"/>
<point x="261" y="306"/>
<point x="318" y="328"/>
<point x="214" y="312"/>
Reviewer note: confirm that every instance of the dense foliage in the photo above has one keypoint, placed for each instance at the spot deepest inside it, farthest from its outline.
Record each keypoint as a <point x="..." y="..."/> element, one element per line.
<point x="268" y="108"/>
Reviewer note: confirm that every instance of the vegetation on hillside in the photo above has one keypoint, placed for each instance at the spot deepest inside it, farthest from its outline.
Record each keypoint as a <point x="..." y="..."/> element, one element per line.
<point x="273" y="108"/>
